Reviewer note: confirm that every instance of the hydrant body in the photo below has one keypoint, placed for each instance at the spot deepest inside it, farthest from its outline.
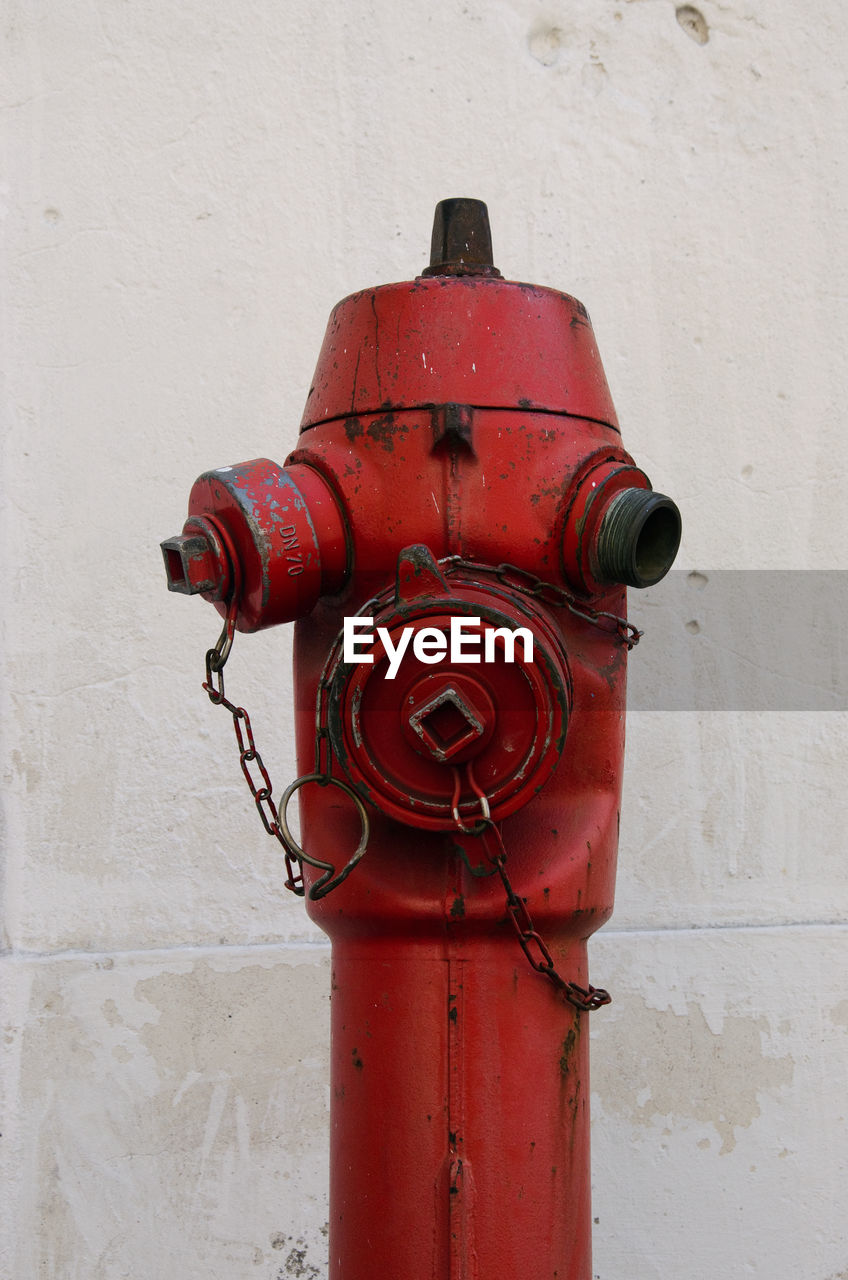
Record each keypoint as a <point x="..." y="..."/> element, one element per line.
<point x="459" y="1088"/>
<point x="459" y="476"/>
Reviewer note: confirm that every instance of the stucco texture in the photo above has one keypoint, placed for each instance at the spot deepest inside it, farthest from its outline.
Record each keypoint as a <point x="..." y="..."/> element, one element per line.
<point x="185" y="191"/>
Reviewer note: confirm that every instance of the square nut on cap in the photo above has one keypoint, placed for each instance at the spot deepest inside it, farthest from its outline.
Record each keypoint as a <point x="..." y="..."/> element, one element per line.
<point x="195" y="565"/>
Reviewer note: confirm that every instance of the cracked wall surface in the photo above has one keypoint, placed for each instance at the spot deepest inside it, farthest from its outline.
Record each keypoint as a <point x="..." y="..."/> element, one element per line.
<point x="185" y="192"/>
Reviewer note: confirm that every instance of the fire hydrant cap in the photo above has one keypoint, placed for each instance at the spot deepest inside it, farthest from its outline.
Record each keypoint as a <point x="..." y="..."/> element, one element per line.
<point x="469" y="338"/>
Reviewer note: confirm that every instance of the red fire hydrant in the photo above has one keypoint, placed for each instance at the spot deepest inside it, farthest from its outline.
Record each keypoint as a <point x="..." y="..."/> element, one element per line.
<point x="454" y="534"/>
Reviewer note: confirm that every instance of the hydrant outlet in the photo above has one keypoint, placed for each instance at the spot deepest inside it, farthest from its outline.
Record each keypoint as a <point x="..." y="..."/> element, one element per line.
<point x="638" y="538"/>
<point x="617" y="530"/>
<point x="398" y="727"/>
<point x="274" y="535"/>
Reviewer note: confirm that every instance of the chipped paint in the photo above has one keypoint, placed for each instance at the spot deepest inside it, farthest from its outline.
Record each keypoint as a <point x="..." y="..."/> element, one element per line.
<point x="672" y="1066"/>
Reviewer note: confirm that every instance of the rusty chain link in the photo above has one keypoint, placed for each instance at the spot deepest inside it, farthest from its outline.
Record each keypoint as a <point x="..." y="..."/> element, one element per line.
<point x="273" y="819"/>
<point x="530" y="585"/>
<point x="532" y="943"/>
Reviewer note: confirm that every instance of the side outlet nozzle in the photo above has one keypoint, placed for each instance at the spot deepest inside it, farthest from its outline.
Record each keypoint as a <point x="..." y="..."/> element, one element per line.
<point x="617" y="529"/>
<point x="638" y="538"/>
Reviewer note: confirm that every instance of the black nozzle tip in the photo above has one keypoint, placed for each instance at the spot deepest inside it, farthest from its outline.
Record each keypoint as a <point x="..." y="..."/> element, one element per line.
<point x="462" y="239"/>
<point x="638" y="538"/>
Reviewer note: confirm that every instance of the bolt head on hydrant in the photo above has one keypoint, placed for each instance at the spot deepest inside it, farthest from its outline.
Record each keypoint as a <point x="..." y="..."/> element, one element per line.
<point x="196" y="564"/>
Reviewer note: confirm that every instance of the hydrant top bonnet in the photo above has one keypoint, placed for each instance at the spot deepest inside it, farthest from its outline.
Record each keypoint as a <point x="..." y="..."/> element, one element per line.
<point x="459" y="335"/>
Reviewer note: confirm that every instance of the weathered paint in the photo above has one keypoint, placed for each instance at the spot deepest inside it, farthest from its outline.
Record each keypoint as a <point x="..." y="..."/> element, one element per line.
<point x="466" y="341"/>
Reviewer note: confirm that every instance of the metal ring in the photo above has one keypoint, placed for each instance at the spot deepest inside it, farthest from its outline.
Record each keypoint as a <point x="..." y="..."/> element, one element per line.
<point x="484" y="806"/>
<point x="482" y="823"/>
<point x="329" y="880"/>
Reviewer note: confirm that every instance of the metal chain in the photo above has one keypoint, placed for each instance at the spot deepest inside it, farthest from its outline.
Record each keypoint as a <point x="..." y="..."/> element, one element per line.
<point x="273" y="819"/>
<point x="511" y="575"/>
<point x="532" y="943"/>
<point x="216" y="659"/>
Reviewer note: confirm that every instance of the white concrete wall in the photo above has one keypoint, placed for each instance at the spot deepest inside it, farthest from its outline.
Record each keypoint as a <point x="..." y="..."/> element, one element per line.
<point x="186" y="191"/>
